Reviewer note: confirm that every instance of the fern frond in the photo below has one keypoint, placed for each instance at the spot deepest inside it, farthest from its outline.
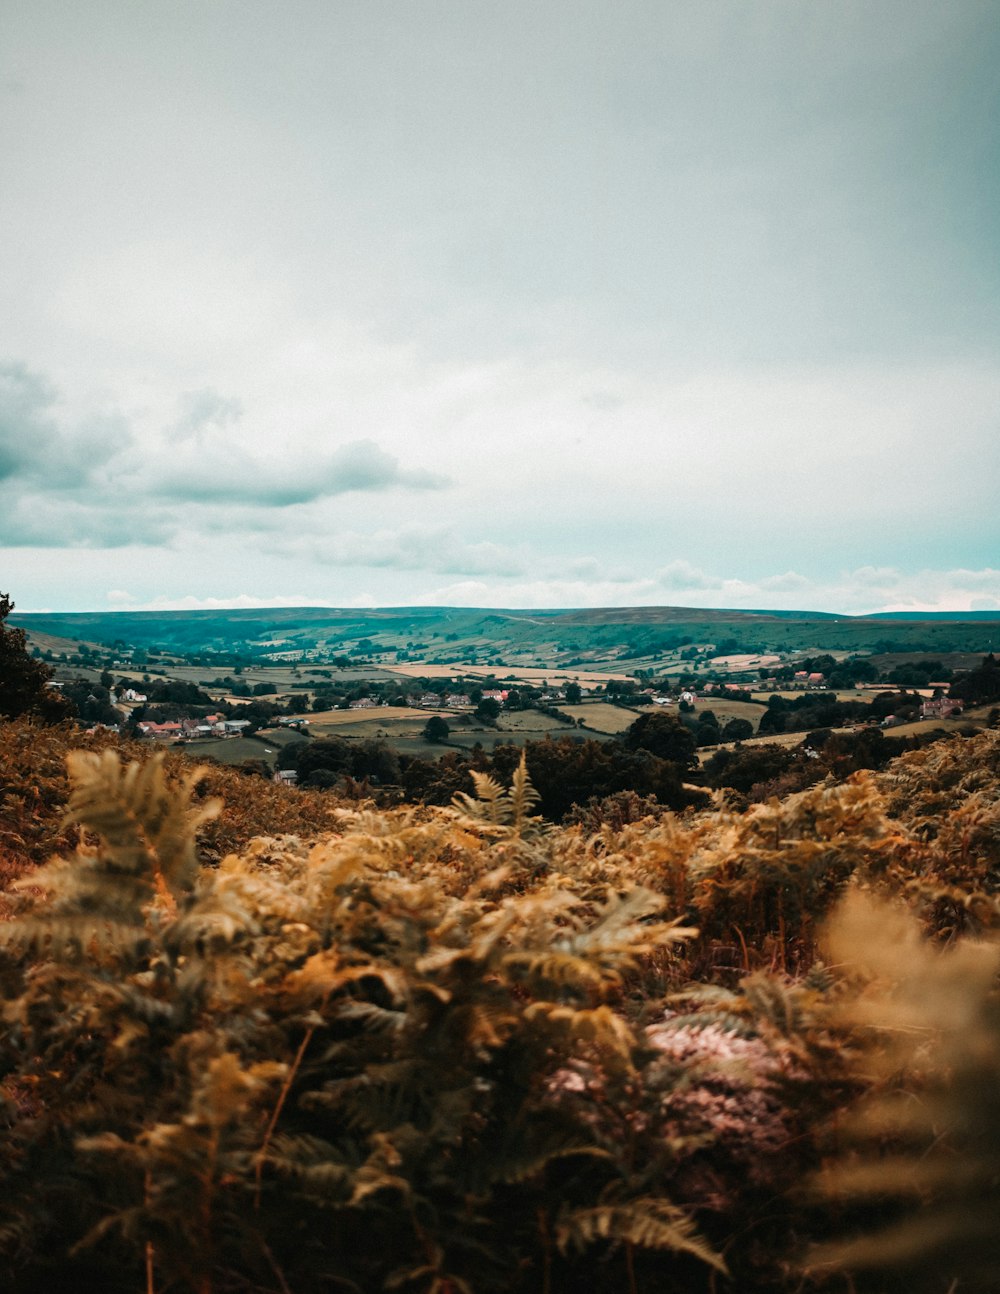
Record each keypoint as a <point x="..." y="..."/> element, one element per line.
<point x="71" y="938"/>
<point x="143" y="820"/>
<point x="523" y="797"/>
<point x="648" y="1222"/>
<point x="504" y="810"/>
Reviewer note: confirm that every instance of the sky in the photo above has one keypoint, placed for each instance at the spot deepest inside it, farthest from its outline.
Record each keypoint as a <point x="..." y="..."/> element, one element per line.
<point x="530" y="303"/>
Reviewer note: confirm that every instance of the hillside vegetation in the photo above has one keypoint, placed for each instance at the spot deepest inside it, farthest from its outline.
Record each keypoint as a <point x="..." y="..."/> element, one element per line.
<point x="546" y="638"/>
<point x="461" y="1049"/>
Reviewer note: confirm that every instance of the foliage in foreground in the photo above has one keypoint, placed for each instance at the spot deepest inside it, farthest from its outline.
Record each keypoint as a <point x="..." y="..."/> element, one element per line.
<point x="460" y="1050"/>
<point x="34" y="788"/>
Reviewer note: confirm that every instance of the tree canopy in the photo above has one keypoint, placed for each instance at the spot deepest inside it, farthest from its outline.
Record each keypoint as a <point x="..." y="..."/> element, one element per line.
<point x="662" y="735"/>
<point x="436" y="728"/>
<point x="24" y="682"/>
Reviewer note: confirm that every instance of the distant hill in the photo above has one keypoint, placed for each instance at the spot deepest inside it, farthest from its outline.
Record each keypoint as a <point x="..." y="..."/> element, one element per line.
<point x="630" y="637"/>
<point x="935" y="615"/>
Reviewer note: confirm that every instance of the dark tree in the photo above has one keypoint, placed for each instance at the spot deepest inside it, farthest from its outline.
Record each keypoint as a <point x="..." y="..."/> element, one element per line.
<point x="663" y="735"/>
<point x="330" y="753"/>
<point x="375" y="761"/>
<point x="24" y="682"/>
<point x="488" y="709"/>
<point x="92" y="702"/>
<point x="980" y="686"/>
<point x="436" y="729"/>
<point x="573" y="693"/>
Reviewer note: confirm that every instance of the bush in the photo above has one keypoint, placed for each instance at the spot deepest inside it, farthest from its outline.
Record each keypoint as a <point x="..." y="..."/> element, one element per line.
<point x="463" y="1049"/>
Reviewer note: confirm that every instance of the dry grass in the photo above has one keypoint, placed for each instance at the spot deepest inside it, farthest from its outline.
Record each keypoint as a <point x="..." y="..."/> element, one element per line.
<point x="724" y="709"/>
<point x="603" y="717"/>
<point x="504" y="673"/>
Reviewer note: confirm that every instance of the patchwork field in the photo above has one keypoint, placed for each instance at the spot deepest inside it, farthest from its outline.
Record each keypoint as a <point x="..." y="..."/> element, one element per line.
<point x="530" y="721"/>
<point x="381" y="716"/>
<point x="724" y="709"/>
<point x="600" y="716"/>
<point x="506" y="673"/>
<point x="231" y="750"/>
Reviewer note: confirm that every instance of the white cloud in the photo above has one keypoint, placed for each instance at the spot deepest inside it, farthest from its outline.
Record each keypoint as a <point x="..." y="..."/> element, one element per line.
<point x="205" y="410"/>
<point x="683" y="575"/>
<point x="608" y="352"/>
<point x="246" y="601"/>
<point x="927" y="590"/>
<point x="224" y="473"/>
<point x="418" y="547"/>
<point x="788" y="582"/>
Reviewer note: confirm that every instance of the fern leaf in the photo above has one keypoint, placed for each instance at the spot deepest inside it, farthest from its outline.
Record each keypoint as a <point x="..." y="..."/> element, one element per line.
<point x="523" y="797"/>
<point x="648" y="1222"/>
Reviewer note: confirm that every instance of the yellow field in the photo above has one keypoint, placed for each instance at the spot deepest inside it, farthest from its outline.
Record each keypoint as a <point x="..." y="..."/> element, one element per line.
<point x="603" y="717"/>
<point x="420" y="669"/>
<point x="771" y="739"/>
<point x="743" y="661"/>
<point x="848" y="694"/>
<point x="724" y="709"/>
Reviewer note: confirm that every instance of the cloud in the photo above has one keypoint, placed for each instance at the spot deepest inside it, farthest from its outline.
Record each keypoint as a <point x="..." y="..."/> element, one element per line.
<point x="82" y="480"/>
<point x="25" y="432"/>
<point x="414" y="548"/>
<point x="246" y="601"/>
<point x="224" y="474"/>
<point x="204" y="410"/>
<point x="680" y="574"/>
<point x="959" y="589"/>
<point x="861" y="592"/>
<point x="39" y="521"/>
<point x="789" y="582"/>
<point x="541" y="593"/>
<point x="35" y="450"/>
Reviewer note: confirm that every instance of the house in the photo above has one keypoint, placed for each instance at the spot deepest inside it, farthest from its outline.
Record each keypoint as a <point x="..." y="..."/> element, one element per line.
<point x="285" y="776"/>
<point x="365" y="703"/>
<point x="233" y="727"/>
<point x="495" y="694"/>
<point x="168" y="731"/>
<point x="130" y="694"/>
<point x="815" y="680"/>
<point x="940" y="707"/>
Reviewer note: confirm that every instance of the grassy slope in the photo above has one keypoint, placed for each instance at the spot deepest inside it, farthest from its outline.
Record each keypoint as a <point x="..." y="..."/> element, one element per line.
<point x="452" y="633"/>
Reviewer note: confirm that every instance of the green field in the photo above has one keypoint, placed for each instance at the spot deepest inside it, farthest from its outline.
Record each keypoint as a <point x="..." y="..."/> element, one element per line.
<point x="230" y="750"/>
<point x="608" y="640"/>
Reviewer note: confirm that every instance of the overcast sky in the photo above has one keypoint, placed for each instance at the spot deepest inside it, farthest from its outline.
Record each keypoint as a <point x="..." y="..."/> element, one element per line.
<point x="500" y="303"/>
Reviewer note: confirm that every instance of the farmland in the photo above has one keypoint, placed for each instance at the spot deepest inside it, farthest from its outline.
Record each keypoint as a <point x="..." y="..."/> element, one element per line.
<point x="598" y="716"/>
<point x="382" y="981"/>
<point x="602" y="641"/>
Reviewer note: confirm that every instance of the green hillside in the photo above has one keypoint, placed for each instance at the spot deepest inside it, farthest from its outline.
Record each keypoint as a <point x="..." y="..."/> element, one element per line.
<point x="548" y="637"/>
